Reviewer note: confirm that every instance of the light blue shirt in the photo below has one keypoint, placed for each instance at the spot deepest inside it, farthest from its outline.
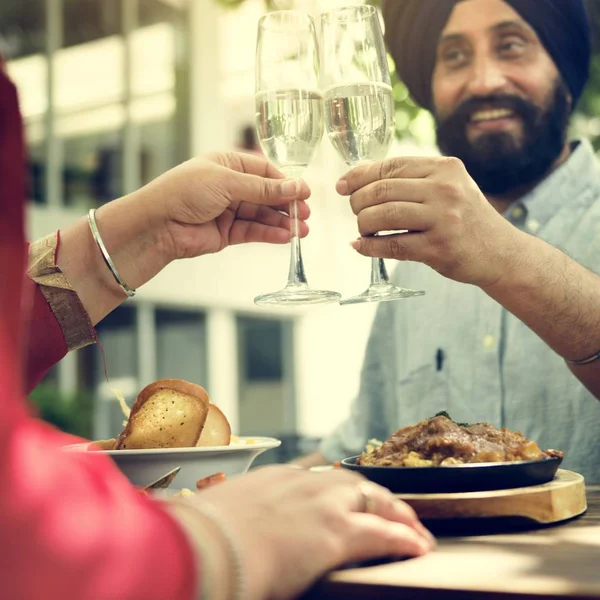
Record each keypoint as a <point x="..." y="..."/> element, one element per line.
<point x="495" y="369"/>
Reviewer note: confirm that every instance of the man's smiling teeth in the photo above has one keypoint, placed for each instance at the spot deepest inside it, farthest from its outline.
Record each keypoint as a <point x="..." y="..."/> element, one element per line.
<point x="491" y="115"/>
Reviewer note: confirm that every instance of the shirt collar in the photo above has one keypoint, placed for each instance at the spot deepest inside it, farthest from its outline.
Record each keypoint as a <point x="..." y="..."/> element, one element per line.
<point x="569" y="180"/>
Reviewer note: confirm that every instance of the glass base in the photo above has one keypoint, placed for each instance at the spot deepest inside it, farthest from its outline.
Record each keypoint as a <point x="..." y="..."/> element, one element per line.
<point x="296" y="295"/>
<point x="382" y="292"/>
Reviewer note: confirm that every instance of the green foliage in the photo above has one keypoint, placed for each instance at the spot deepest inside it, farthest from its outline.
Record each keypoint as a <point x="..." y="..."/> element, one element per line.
<point x="412" y="122"/>
<point x="586" y="121"/>
<point x="70" y="413"/>
<point x="593" y="8"/>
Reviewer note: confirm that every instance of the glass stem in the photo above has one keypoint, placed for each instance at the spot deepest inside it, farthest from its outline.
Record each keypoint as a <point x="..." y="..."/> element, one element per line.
<point x="296" y="274"/>
<point x="379" y="273"/>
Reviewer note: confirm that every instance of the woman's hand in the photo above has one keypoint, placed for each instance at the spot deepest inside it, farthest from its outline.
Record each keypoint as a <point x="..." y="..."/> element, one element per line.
<point x="199" y="207"/>
<point x="210" y="203"/>
<point x="292" y="525"/>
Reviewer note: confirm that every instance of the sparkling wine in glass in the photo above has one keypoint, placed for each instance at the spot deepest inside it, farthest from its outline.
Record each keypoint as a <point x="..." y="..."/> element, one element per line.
<point x="289" y="123"/>
<point x="359" y="108"/>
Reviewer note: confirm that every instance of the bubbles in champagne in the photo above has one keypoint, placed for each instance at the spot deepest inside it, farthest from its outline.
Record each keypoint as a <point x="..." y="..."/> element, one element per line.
<point x="289" y="126"/>
<point x="359" y="119"/>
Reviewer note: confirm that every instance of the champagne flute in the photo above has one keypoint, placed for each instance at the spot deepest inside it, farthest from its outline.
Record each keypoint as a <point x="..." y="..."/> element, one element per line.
<point x="359" y="108"/>
<point x="289" y="122"/>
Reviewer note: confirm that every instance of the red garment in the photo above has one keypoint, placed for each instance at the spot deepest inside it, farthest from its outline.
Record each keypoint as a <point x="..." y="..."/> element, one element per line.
<point x="45" y="344"/>
<point x="71" y="526"/>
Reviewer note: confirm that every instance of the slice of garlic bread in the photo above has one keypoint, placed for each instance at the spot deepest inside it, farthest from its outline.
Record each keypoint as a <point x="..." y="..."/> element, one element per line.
<point x="169" y="413"/>
<point x="216" y="431"/>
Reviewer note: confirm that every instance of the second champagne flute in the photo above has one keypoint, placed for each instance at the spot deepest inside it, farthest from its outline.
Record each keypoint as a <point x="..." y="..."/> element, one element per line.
<point x="289" y="122"/>
<point x="359" y="108"/>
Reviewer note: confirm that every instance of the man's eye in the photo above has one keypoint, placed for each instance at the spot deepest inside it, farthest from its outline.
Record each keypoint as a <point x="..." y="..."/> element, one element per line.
<point x="454" y="57"/>
<point x="512" y="47"/>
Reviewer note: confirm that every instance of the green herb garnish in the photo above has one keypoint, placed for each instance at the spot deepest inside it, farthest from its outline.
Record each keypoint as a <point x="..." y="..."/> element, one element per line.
<point x="443" y="413"/>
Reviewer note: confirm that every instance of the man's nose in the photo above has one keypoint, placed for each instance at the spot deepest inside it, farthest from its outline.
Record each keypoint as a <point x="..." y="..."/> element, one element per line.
<point x="487" y="78"/>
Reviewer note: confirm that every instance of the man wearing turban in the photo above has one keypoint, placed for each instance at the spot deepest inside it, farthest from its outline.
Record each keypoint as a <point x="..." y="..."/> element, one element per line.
<point x="503" y="233"/>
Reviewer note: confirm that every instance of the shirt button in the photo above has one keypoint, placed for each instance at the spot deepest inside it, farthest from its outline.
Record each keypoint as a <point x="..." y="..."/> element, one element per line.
<point x="489" y="342"/>
<point x="517" y="212"/>
<point x="533" y="225"/>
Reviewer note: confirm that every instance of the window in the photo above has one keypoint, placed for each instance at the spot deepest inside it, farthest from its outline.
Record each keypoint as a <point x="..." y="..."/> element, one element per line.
<point x="180" y="345"/>
<point x="103" y="87"/>
<point x="88" y="20"/>
<point x="266" y="384"/>
<point x="92" y="169"/>
<point x="262" y="349"/>
<point x="23" y="44"/>
<point x="118" y="335"/>
<point x="22" y="28"/>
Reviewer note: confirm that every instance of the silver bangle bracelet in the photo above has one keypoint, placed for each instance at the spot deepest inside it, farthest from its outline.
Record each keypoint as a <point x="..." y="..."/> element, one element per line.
<point x="585" y="361"/>
<point x="232" y="547"/>
<point x="105" y="255"/>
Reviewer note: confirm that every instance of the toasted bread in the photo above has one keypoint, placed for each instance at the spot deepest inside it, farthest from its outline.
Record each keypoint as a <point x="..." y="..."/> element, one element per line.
<point x="169" y="413"/>
<point x="216" y="431"/>
<point x="103" y="444"/>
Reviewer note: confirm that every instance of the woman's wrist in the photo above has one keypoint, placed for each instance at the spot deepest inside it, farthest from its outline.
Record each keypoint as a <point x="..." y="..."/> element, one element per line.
<point x="132" y="235"/>
<point x="215" y="573"/>
<point x="132" y="230"/>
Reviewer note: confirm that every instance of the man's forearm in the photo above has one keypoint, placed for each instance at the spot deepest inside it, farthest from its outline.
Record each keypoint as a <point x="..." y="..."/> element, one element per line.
<point x="559" y="300"/>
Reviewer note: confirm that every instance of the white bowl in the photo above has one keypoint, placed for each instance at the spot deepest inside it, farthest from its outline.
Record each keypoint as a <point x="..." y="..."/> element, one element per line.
<point x="142" y="467"/>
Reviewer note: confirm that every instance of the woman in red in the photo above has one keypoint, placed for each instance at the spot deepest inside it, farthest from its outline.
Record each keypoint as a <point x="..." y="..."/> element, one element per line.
<point x="73" y="528"/>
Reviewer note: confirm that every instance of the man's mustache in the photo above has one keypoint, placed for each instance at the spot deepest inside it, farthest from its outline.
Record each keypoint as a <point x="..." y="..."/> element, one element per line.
<point x="518" y="106"/>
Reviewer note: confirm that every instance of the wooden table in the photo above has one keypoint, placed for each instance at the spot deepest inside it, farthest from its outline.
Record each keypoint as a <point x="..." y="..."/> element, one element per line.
<point x="562" y="561"/>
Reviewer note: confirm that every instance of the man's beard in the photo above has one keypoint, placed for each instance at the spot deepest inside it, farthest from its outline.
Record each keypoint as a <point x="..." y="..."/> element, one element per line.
<point x="497" y="161"/>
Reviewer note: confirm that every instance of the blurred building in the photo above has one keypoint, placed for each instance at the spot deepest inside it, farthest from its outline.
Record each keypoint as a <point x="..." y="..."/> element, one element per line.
<point x="115" y="92"/>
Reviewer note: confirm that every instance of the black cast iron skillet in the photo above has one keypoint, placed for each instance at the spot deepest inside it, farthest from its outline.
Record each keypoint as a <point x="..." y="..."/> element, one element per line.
<point x="471" y="477"/>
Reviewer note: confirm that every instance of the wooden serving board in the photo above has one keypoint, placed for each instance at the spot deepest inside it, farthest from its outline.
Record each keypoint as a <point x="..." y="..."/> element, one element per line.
<point x="559" y="500"/>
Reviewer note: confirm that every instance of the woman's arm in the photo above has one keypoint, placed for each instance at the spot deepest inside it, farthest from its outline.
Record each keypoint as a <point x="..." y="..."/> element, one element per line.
<point x="193" y="209"/>
<point x="200" y="207"/>
<point x="72" y="527"/>
<point x="55" y="320"/>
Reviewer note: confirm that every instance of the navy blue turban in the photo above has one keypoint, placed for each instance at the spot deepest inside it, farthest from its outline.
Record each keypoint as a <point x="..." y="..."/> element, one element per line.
<point x="413" y="29"/>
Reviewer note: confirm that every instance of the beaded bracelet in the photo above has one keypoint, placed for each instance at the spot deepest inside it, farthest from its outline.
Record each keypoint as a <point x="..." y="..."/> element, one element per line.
<point x="105" y="255"/>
